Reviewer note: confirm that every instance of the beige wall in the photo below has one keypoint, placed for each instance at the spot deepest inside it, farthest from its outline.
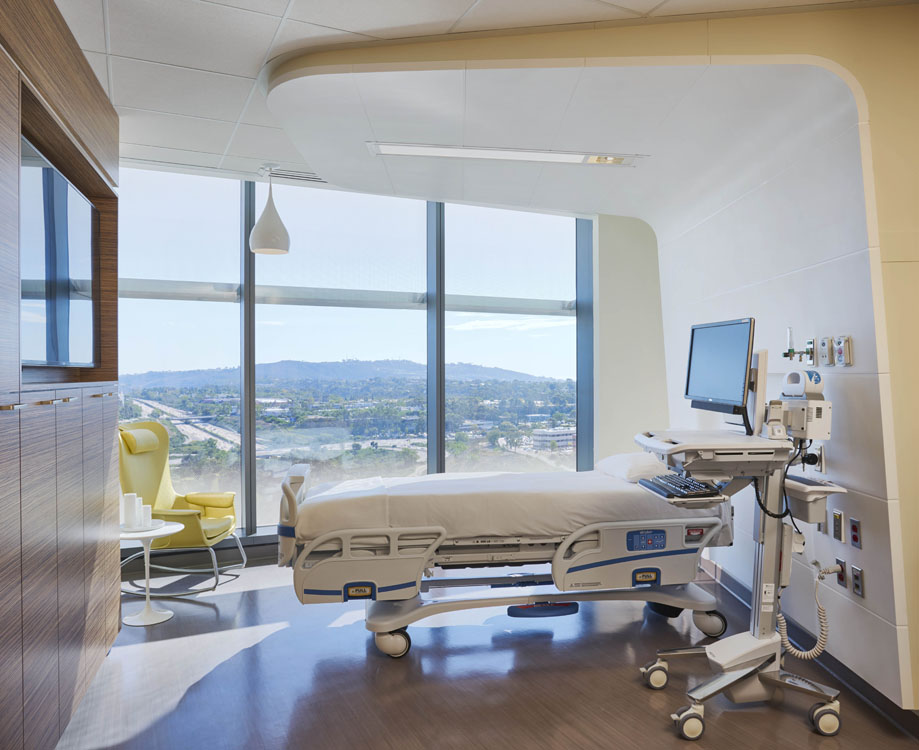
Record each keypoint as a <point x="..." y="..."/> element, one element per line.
<point x="630" y="380"/>
<point x="875" y="51"/>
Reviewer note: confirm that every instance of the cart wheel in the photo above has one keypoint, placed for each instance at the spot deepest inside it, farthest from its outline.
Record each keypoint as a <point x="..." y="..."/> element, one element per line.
<point x="713" y="624"/>
<point x="656" y="676"/>
<point x="664" y="610"/>
<point x="826" y="721"/>
<point x="691" y="726"/>
<point x="395" y="644"/>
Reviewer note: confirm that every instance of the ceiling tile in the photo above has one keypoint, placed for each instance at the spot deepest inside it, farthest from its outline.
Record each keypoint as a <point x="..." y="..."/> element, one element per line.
<point x="198" y="35"/>
<point x="517" y="108"/>
<point x="98" y="63"/>
<point x="180" y="91"/>
<point x="257" y="112"/>
<point x="174" y="131"/>
<point x="504" y="14"/>
<point x="388" y="19"/>
<point x="296" y="35"/>
<point x="639" y="6"/>
<point x="686" y="7"/>
<point x="424" y="106"/>
<point x="271" y="7"/>
<point x="84" y="17"/>
<point x="267" y="144"/>
<point x="170" y="156"/>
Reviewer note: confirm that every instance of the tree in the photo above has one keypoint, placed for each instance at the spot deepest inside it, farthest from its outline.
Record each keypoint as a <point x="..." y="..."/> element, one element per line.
<point x="553" y="446"/>
<point x="492" y="436"/>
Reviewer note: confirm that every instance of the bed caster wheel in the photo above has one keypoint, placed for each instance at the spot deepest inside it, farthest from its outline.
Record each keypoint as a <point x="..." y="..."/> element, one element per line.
<point x="713" y="624"/>
<point x="689" y="722"/>
<point x="824" y="718"/>
<point x="656" y="674"/>
<point x="395" y="644"/>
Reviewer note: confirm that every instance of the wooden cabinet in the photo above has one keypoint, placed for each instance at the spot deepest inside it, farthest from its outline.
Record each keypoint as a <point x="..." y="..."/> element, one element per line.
<point x="71" y="595"/>
<point x="10" y="579"/>
<point x="38" y="502"/>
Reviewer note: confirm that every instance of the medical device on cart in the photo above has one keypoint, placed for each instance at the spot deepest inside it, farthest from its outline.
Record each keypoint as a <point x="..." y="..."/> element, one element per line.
<point x="723" y="371"/>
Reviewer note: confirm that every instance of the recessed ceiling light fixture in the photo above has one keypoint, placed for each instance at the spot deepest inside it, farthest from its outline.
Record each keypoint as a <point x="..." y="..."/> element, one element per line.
<point x="504" y="154"/>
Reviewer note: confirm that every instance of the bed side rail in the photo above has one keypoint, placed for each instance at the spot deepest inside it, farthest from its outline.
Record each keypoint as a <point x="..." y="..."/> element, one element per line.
<point x="624" y="554"/>
<point x="293" y="492"/>
<point x="380" y="564"/>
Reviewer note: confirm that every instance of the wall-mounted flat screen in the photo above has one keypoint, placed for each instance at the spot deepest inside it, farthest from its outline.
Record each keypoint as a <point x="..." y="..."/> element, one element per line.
<point x="56" y="266"/>
<point x="719" y="364"/>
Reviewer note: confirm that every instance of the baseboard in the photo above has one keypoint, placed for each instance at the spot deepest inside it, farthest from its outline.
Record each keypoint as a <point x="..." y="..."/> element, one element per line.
<point x="907" y="721"/>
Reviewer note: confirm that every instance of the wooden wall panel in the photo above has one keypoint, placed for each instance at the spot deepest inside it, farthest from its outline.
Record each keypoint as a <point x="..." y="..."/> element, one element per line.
<point x="110" y="516"/>
<point x="39" y="571"/>
<point x="9" y="226"/>
<point x="71" y="597"/>
<point x="105" y="281"/>
<point x="10" y="581"/>
<point x="35" y="35"/>
<point x="94" y="635"/>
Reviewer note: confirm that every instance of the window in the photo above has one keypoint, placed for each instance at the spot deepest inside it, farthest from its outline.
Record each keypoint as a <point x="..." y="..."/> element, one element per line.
<point x="178" y="348"/>
<point x="340" y="366"/>
<point x="510" y="343"/>
<point x="342" y="328"/>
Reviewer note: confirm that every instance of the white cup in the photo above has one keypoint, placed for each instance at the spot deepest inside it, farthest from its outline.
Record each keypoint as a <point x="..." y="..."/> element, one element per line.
<point x="128" y="507"/>
<point x="147" y="516"/>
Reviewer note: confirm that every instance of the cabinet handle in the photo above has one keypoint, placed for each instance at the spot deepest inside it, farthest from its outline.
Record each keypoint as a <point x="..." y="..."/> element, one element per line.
<point x="50" y="402"/>
<point x="101" y="395"/>
<point x="13" y="407"/>
<point x="70" y="399"/>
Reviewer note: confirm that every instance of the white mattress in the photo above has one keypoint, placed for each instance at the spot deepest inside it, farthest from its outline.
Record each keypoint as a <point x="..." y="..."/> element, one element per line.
<point x="487" y="504"/>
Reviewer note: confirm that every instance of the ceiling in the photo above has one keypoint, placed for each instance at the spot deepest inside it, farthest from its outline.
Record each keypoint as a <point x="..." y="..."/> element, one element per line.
<point x="708" y="131"/>
<point x="182" y="73"/>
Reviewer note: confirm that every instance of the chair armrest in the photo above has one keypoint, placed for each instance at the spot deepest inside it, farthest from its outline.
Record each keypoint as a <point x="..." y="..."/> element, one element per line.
<point x="176" y="515"/>
<point x="211" y="499"/>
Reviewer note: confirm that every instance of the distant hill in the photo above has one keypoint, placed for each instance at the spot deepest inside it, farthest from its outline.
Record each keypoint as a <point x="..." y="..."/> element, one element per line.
<point x="289" y="371"/>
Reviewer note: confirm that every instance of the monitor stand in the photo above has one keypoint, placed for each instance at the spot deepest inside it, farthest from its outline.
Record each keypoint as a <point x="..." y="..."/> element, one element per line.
<point x="748" y="665"/>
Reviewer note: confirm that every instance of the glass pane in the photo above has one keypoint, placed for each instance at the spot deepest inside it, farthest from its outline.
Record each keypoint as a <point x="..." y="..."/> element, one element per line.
<point x="510" y="392"/>
<point x="342" y="389"/>
<point x="178" y="227"/>
<point x="187" y="378"/>
<point x="346" y="240"/>
<point x="499" y="253"/>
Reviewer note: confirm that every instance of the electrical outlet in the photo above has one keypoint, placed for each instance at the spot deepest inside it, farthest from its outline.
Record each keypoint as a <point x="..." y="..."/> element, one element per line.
<point x="841" y="575"/>
<point x="838" y="533"/>
<point x="855" y="534"/>
<point x="858" y="581"/>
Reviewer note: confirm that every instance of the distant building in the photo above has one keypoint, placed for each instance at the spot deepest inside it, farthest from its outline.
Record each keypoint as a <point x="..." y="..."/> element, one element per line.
<point x="565" y="438"/>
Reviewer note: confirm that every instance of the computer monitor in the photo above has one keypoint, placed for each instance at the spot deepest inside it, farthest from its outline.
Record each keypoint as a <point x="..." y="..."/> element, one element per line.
<point x="718" y="375"/>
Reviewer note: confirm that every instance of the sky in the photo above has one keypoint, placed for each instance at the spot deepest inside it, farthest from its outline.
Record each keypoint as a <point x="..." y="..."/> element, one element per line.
<point x="186" y="228"/>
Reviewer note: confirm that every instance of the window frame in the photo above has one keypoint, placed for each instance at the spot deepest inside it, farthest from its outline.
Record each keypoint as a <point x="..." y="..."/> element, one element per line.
<point x="433" y="300"/>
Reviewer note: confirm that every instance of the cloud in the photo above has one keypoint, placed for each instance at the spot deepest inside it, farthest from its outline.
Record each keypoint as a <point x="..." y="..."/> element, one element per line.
<point x="512" y="324"/>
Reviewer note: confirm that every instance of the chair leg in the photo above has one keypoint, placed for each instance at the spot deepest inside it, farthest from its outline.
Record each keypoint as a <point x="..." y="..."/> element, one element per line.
<point x="214" y="569"/>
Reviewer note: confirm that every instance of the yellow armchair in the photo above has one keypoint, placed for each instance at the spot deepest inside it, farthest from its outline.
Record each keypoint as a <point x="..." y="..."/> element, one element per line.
<point x="207" y="517"/>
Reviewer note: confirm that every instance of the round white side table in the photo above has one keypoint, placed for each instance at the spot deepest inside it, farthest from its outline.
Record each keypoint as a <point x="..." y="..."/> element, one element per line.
<point x="149" y="615"/>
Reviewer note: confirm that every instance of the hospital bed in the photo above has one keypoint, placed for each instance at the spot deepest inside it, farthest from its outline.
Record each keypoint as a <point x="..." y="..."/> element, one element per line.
<point x="595" y="536"/>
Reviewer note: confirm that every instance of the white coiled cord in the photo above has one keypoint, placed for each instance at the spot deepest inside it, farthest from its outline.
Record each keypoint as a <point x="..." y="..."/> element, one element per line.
<point x="821" y="618"/>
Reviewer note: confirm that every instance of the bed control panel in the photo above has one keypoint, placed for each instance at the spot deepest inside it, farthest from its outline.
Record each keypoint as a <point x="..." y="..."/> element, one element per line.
<point x="646" y="539"/>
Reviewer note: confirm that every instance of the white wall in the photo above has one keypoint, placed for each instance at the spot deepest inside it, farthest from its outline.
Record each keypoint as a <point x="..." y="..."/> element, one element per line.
<point x="793" y="251"/>
<point x="630" y="392"/>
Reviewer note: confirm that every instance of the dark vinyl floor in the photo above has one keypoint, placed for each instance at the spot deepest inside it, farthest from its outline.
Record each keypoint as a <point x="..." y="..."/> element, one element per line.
<point x="249" y="667"/>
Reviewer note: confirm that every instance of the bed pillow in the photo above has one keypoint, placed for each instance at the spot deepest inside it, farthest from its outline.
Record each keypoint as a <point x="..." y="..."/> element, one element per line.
<point x="632" y="466"/>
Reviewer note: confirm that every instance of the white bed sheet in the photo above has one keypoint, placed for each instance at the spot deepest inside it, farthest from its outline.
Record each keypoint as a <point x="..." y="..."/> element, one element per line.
<point x="487" y="504"/>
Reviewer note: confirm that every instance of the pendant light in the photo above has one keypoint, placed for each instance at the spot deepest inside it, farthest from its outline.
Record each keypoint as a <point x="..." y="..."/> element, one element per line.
<point x="269" y="235"/>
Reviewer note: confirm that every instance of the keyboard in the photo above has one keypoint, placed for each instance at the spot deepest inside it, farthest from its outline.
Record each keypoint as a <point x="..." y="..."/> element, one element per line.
<point x="675" y="485"/>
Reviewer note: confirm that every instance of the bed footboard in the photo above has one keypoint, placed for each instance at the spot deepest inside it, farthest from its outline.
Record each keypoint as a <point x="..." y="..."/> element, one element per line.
<point x="619" y="555"/>
<point x="380" y="564"/>
<point x="293" y="492"/>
